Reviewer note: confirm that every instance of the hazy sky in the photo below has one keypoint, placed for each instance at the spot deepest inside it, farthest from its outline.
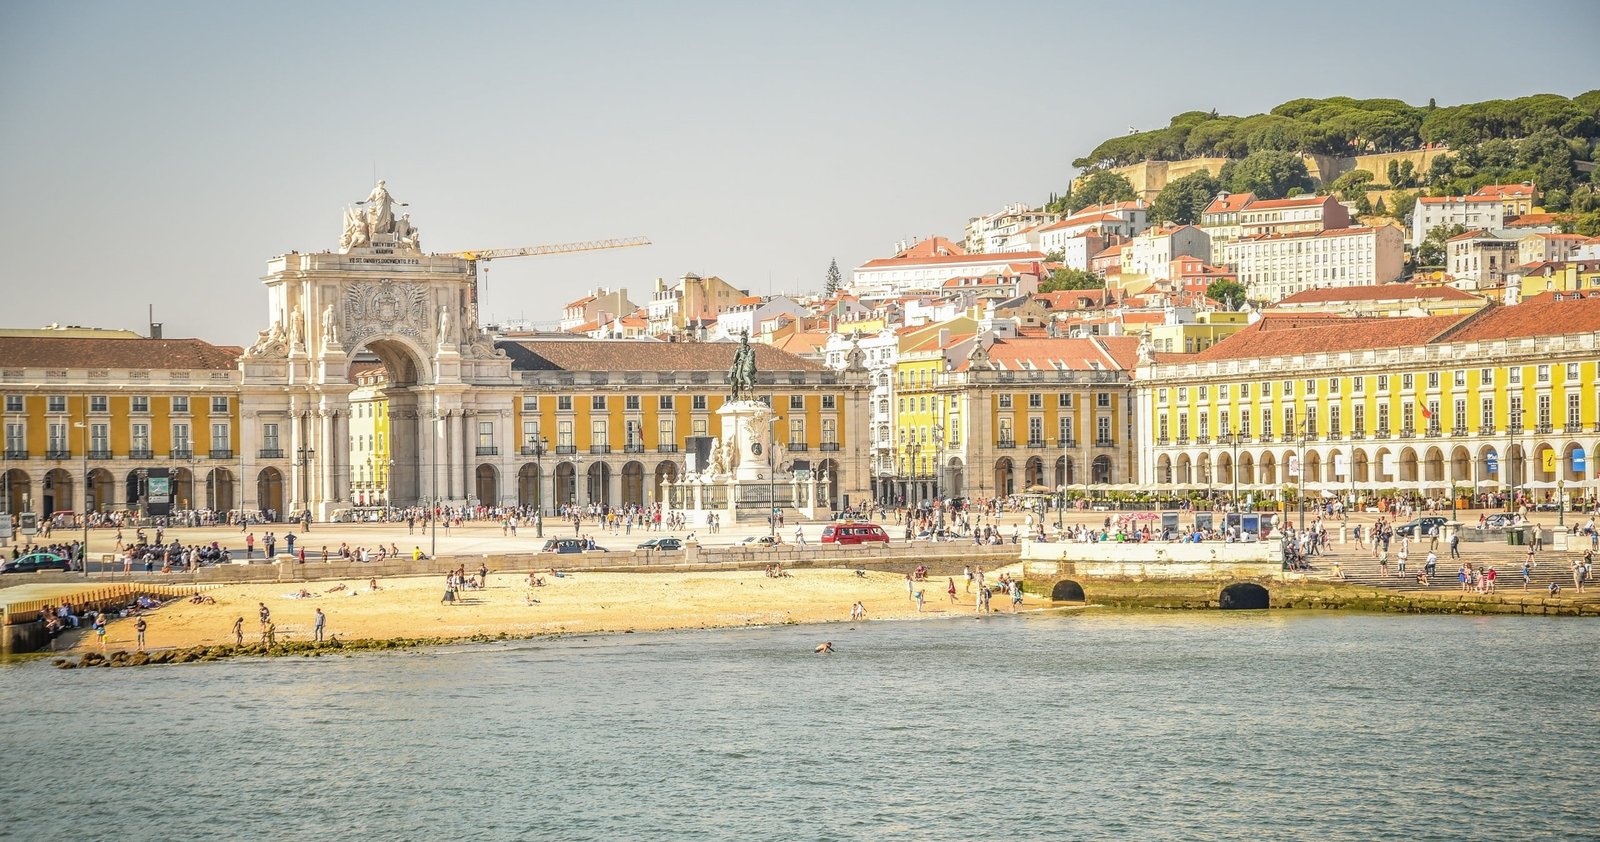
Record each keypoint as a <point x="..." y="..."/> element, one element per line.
<point x="160" y="152"/>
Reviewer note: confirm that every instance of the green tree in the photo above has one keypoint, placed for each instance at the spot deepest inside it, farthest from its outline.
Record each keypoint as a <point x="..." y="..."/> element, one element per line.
<point x="830" y="287"/>
<point x="1228" y="293"/>
<point x="1431" y="252"/>
<point x="1402" y="205"/>
<point x="1099" y="187"/>
<point x="1182" y="201"/>
<point x="1065" y="278"/>
<point x="1268" y="174"/>
<point x="1408" y="174"/>
<point x="1351" y="185"/>
<point x="1393" y="172"/>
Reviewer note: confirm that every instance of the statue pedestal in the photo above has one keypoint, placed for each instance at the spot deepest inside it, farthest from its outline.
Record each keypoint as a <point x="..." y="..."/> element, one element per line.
<point x="747" y="426"/>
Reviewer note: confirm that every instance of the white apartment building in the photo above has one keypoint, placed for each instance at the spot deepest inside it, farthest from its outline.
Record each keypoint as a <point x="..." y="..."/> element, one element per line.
<point x="1152" y="252"/>
<point x="1122" y="219"/>
<point x="1471" y="211"/>
<point x="1003" y="229"/>
<point x="924" y="268"/>
<point x="882" y="350"/>
<point x="748" y="317"/>
<point x="1480" y="259"/>
<point x="598" y="306"/>
<point x="1297" y="215"/>
<point x="1275" y="266"/>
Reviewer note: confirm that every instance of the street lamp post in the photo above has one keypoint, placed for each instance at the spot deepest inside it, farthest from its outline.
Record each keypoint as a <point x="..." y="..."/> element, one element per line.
<point x="303" y="456"/>
<point x="1300" y="474"/>
<point x="772" y="468"/>
<point x="537" y="444"/>
<point x="1561" y="502"/>
<point x="83" y="553"/>
<point x="1233" y="468"/>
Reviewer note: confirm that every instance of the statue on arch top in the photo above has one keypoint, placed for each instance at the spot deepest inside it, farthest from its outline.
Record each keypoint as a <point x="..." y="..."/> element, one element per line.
<point x="380" y="209"/>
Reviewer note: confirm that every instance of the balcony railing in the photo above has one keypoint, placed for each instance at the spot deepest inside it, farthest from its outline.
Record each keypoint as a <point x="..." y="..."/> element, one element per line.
<point x="55" y="453"/>
<point x="666" y="448"/>
<point x="1005" y="444"/>
<point x="1485" y="431"/>
<point x="1408" y="434"/>
<point x="833" y="446"/>
<point x="271" y="453"/>
<point x="1202" y="439"/>
<point x="491" y="450"/>
<point x="1545" y="429"/>
<point x="533" y="451"/>
<point x="1514" y="430"/>
<point x="21" y="453"/>
<point x="141" y="453"/>
<point x="599" y="449"/>
<point x="100" y="454"/>
<point x="566" y="449"/>
<point x="1037" y="444"/>
<point x="1182" y="441"/>
<point x="1163" y="441"/>
<point x="798" y="447"/>
<point x="633" y="448"/>
<point x="1382" y="433"/>
<point x="181" y="453"/>
<point x="1458" y="431"/>
<point x="1064" y="444"/>
<point x="1104" y="443"/>
<point x="221" y="453"/>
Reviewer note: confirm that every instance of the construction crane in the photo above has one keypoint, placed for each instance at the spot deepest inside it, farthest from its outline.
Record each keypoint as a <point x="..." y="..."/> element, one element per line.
<point x="475" y="256"/>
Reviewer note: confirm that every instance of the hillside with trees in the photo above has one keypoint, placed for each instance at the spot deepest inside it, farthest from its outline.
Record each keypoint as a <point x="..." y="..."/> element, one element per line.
<point x="1543" y="138"/>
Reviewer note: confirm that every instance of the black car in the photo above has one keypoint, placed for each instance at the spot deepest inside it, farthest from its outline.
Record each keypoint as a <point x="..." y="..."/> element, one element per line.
<point x="1422" y="526"/>
<point x="565" y="546"/>
<point x="662" y="544"/>
<point x="34" y="562"/>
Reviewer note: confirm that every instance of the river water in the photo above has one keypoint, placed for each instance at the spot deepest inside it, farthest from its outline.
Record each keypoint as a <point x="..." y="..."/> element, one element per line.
<point x="1082" y="725"/>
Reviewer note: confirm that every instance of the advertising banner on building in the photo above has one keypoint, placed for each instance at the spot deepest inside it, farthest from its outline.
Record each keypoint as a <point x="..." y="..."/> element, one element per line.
<point x="158" y="492"/>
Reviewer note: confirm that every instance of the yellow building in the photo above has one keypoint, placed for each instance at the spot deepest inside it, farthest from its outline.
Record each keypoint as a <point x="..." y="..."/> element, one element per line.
<point x="1207" y="329"/>
<point x="1565" y="277"/>
<point x="971" y="403"/>
<point x="371" y="461"/>
<point x="152" y="424"/>
<point x="606" y="422"/>
<point x="1507" y="398"/>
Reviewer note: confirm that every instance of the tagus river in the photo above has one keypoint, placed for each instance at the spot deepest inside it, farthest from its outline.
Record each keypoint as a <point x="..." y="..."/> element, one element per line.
<point x="1088" y="725"/>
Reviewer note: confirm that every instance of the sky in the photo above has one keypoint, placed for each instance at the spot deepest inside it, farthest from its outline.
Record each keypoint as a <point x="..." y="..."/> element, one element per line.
<point x="159" y="153"/>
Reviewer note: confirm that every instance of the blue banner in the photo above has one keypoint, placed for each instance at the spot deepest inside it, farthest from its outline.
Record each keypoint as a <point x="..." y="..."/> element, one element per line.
<point x="1578" y="463"/>
<point x="1493" y="460"/>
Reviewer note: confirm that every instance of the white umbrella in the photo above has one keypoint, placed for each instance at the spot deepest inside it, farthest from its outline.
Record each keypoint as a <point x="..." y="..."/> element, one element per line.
<point x="1488" y="483"/>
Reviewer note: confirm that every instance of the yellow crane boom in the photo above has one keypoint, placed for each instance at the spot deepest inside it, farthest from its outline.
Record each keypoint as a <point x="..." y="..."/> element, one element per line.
<point x="553" y="248"/>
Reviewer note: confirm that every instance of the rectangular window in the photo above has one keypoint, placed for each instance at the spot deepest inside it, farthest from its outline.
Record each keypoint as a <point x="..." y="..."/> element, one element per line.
<point x="797" y="402"/>
<point x="1572" y="372"/>
<point x="180" y="439"/>
<point x="1574" y="412"/>
<point x="1266" y="422"/>
<point x="16" y="440"/>
<point x="485" y="434"/>
<point x="1035" y="430"/>
<point x="1335" y="428"/>
<point x="13" y="403"/>
<point x="1288" y="388"/>
<point x="1064" y="399"/>
<point x="1102" y="432"/>
<point x="1183" y="394"/>
<point x="269" y="436"/>
<point x="599" y="433"/>
<point x="1383" y="382"/>
<point x="1486" y="416"/>
<point x="697" y="402"/>
<point x="1005" y="432"/>
<point x="630" y="403"/>
<point x="1244" y="391"/>
<point x="180" y="403"/>
<point x="58" y="438"/>
<point x="530" y="434"/>
<point x="1543" y="374"/>
<point x="56" y="403"/>
<point x="1266" y="390"/>
<point x="1035" y="400"/>
<point x="1102" y="399"/>
<point x="530" y="404"/>
<point x="220" y="440"/>
<point x="1460" y="416"/>
<point x="664" y="402"/>
<point x="1005" y="401"/>
<point x="797" y="431"/>
<point x="633" y="433"/>
<point x="1514" y="375"/>
<point x="698" y="427"/>
<point x="1433" y="379"/>
<point x="830" y="402"/>
<point x="97" y="403"/>
<point x="563" y="403"/>
<point x="1459" y="378"/>
<point x="1358" y="385"/>
<point x="1485" y="377"/>
<point x="1222" y="391"/>
<point x="1383" y="419"/>
<point x="1161" y="429"/>
<point x="219" y="403"/>
<point x="1406" y="382"/>
<point x="99" y="438"/>
<point x="1544" y="413"/>
<point x="1333" y="385"/>
<point x="1161" y="395"/>
<point x="597" y="402"/>
<point x="564" y="434"/>
<point x="830" y="431"/>
<point x="140" y="435"/>
<point x="1288" y="421"/>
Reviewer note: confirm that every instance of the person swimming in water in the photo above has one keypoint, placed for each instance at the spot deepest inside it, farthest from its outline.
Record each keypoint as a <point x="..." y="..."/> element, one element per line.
<point x="825" y="648"/>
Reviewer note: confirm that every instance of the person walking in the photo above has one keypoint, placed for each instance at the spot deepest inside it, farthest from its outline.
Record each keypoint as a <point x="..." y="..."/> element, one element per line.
<point x="1455" y="545"/>
<point x="800" y="535"/>
<point x="238" y="632"/>
<point x="138" y="628"/>
<point x="316" y="628"/>
<point x="952" y="590"/>
<point x="250" y="546"/>
<point x="266" y="616"/>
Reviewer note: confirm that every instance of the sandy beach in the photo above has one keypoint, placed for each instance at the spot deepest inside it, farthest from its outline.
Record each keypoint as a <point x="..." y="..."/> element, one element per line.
<point x="411" y="607"/>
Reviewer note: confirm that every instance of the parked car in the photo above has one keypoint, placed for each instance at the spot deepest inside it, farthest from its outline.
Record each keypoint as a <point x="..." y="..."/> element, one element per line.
<point x="662" y="544"/>
<point x="34" y="562"/>
<point x="848" y="534"/>
<point x="1503" y="520"/>
<point x="1420" y="527"/>
<point x="564" y="546"/>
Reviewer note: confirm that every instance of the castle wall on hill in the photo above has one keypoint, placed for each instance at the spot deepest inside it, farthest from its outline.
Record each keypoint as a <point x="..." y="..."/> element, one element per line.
<point x="1149" y="177"/>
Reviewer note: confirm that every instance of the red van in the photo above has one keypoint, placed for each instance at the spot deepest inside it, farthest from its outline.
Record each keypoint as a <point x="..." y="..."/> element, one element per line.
<point x="853" y="533"/>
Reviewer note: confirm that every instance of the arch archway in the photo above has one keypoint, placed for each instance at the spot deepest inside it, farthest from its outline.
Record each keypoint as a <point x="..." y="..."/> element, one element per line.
<point x="1489" y="457"/>
<point x="269" y="491"/>
<point x="1225" y="468"/>
<point x="133" y="490"/>
<point x="16" y="486"/>
<point x="219" y="490"/>
<point x="1033" y="473"/>
<point x="598" y="479"/>
<point x="1185" y="470"/>
<point x="1461" y="466"/>
<point x="633" y="484"/>
<point x="1433" y="466"/>
<point x="183" y="488"/>
<point x="529" y="493"/>
<point x="1268" y="469"/>
<point x="1061" y="472"/>
<point x="1408" y="465"/>
<point x="1004" y="482"/>
<point x="566" y="478"/>
<point x="1361" y="466"/>
<point x="1247" y="468"/>
<point x="828" y="470"/>
<point x="1565" y="469"/>
<point x="1101" y="470"/>
<point x="1544" y="456"/>
<point x="1066" y="590"/>
<point x="58" y="492"/>
<point x="955" y="478"/>
<point x="102" y="490"/>
<point x="1244" y="596"/>
<point x="1312" y="466"/>
<point x="666" y="474"/>
<point x="1384" y="467"/>
<point x="486" y="485"/>
<point x="1164" y="469"/>
<point x="1203" y="471"/>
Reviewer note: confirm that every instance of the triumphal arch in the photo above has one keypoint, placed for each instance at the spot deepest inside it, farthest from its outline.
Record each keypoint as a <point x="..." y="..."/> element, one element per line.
<point x="417" y="313"/>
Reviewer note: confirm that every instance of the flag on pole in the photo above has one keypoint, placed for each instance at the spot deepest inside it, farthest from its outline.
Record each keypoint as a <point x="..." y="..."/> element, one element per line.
<point x="1425" y="412"/>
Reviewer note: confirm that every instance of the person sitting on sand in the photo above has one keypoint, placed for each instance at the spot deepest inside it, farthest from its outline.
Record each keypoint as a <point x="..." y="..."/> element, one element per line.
<point x="531" y="600"/>
<point x="337" y="588"/>
<point x="372" y="585"/>
<point x="861" y="572"/>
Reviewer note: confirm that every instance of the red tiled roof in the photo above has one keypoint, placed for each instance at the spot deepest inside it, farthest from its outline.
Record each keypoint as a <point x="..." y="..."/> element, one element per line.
<point x="641" y="355"/>
<point x="1502" y="191"/>
<point x="1290" y="335"/>
<point x="1378" y="292"/>
<point x="1231" y="203"/>
<point x="1297" y="201"/>
<point x="1470" y="200"/>
<point x="1111" y="353"/>
<point x="1300" y="235"/>
<point x="932" y="247"/>
<point x="952" y="259"/>
<point x="1538" y="315"/>
<point x="1530" y="220"/>
<point x="70" y="352"/>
